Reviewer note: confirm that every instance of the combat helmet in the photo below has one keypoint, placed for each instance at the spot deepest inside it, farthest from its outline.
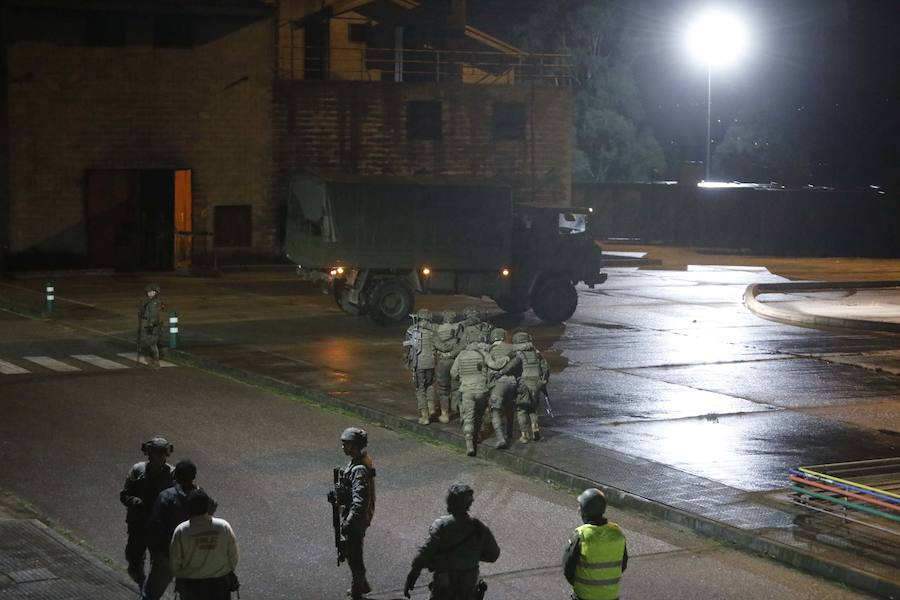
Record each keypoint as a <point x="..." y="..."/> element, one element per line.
<point x="424" y="314"/>
<point x="355" y="435"/>
<point x="521" y="337"/>
<point x="152" y="287"/>
<point x="592" y="502"/>
<point x="157" y="443"/>
<point x="498" y="334"/>
<point x="449" y="316"/>
<point x="472" y="313"/>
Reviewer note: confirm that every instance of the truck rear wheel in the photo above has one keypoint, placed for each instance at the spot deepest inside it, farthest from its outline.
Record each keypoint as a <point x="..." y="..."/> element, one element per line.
<point x="390" y="301"/>
<point x="512" y="305"/>
<point x="555" y="300"/>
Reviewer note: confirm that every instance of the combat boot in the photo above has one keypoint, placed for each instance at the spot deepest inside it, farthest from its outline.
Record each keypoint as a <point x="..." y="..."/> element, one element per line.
<point x="431" y="409"/>
<point x="535" y="427"/>
<point x="524" y="427"/>
<point x="470" y="446"/>
<point x="445" y="415"/>
<point x="497" y="422"/>
<point x="424" y="418"/>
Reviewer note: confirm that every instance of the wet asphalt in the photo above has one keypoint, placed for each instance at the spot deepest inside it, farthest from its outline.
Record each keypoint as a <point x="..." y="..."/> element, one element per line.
<point x="68" y="438"/>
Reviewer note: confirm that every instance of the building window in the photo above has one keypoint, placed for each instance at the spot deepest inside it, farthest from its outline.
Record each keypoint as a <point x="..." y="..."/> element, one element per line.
<point x="173" y="31"/>
<point x="358" y="32"/>
<point x="423" y="120"/>
<point x="104" y="29"/>
<point x="233" y="225"/>
<point x="509" y="121"/>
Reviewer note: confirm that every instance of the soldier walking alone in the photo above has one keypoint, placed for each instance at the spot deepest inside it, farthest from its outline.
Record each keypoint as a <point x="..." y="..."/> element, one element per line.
<point x="149" y="327"/>
<point x="355" y="495"/>
<point x="455" y="545"/>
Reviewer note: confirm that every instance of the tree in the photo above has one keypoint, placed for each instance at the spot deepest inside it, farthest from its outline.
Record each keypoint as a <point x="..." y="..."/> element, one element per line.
<point x="612" y="140"/>
<point x="761" y="149"/>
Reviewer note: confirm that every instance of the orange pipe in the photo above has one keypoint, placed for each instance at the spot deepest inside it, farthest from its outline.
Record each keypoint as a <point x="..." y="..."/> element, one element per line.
<point x="860" y="497"/>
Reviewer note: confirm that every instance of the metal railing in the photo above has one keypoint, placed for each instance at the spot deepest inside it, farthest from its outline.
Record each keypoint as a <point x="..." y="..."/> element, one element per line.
<point x="421" y="65"/>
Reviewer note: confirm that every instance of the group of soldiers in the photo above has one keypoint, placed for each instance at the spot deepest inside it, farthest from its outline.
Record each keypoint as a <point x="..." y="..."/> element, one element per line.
<point x="457" y="543"/>
<point x="476" y="371"/>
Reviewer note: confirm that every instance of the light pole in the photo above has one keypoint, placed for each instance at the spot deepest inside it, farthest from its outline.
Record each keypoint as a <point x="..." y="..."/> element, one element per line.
<point x="715" y="38"/>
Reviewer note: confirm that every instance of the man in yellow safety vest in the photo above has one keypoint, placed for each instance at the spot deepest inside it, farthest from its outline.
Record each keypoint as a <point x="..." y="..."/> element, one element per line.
<point x="596" y="555"/>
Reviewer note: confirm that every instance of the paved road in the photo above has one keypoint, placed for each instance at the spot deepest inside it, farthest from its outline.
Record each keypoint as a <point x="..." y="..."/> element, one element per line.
<point x="68" y="437"/>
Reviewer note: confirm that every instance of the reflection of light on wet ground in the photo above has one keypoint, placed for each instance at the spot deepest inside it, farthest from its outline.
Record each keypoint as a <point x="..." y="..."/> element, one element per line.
<point x="696" y="440"/>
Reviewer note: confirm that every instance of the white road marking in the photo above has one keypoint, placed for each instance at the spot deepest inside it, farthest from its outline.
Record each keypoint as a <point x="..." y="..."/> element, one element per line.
<point x="133" y="356"/>
<point x="51" y="363"/>
<point x="7" y="368"/>
<point x="97" y="361"/>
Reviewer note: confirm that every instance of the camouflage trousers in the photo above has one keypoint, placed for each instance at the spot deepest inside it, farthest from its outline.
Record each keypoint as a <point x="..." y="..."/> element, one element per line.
<point x="424" y="380"/>
<point x="447" y="386"/>
<point x="471" y="412"/>
<point x="149" y="343"/>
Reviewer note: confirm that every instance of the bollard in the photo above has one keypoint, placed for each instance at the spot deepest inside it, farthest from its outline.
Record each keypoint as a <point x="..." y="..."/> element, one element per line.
<point x="51" y="296"/>
<point x="173" y="330"/>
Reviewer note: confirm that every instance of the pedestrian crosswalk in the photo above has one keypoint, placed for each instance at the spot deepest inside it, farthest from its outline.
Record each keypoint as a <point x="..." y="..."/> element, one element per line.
<point x="72" y="363"/>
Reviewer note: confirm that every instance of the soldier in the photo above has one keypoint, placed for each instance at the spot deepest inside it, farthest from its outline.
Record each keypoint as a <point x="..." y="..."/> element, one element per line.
<point x="456" y="544"/>
<point x="149" y="327"/>
<point x="356" y="494"/>
<point x="474" y="328"/>
<point x="145" y="481"/>
<point x="419" y="346"/>
<point x="448" y="346"/>
<point x="473" y="366"/>
<point x="596" y="555"/>
<point x="503" y="388"/>
<point x="534" y="377"/>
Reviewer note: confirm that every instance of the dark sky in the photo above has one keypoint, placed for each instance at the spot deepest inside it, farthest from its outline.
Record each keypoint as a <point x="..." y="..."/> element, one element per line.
<point x="828" y="71"/>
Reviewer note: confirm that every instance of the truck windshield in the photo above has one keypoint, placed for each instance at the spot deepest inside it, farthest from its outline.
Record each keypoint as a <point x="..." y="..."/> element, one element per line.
<point x="570" y="223"/>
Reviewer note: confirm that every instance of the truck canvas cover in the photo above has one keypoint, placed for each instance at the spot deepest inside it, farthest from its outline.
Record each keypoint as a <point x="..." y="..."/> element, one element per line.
<point x="397" y="224"/>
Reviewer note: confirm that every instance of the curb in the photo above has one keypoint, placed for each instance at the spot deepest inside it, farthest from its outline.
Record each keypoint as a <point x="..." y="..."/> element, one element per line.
<point x="86" y="554"/>
<point x="791" y="556"/>
<point x="794" y="557"/>
<point x="767" y="311"/>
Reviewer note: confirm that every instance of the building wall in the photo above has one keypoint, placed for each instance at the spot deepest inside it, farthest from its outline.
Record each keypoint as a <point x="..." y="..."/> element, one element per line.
<point x="361" y="128"/>
<point x="74" y="108"/>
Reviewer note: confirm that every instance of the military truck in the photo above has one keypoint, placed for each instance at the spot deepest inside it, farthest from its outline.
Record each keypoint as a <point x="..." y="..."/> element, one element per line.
<point x="377" y="242"/>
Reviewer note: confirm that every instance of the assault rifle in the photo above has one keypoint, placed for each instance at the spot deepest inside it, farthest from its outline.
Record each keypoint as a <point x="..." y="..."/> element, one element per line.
<point x="548" y="407"/>
<point x="334" y="499"/>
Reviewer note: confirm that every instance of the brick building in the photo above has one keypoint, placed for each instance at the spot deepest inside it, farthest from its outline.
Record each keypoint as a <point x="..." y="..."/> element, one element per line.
<point x="155" y="133"/>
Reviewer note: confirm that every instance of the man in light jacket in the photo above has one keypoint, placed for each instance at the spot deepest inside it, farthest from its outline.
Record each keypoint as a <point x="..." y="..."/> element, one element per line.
<point x="203" y="553"/>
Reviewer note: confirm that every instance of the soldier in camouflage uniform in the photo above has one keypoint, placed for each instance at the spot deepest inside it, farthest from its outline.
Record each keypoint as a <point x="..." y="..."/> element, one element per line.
<point x="145" y="481"/>
<point x="455" y="545"/>
<point x="535" y="375"/>
<point x="474" y="328"/>
<point x="448" y="346"/>
<point x="150" y="327"/>
<point x="357" y="498"/>
<point x="503" y="388"/>
<point x="419" y="346"/>
<point x="473" y="366"/>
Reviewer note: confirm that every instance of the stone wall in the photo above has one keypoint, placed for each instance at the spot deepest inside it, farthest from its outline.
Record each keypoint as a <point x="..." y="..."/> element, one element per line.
<point x="360" y="128"/>
<point x="74" y="108"/>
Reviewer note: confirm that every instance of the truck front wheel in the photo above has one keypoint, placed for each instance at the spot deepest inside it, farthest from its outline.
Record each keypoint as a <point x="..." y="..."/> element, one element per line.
<point x="555" y="300"/>
<point x="390" y="301"/>
<point x="342" y="299"/>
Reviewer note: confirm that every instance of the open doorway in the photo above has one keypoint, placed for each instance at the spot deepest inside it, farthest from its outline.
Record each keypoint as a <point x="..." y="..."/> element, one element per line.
<point x="138" y="219"/>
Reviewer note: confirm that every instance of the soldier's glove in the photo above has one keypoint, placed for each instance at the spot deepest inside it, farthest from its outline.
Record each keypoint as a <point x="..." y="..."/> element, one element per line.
<point x="135" y="502"/>
<point x="345" y="527"/>
<point x="410" y="582"/>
